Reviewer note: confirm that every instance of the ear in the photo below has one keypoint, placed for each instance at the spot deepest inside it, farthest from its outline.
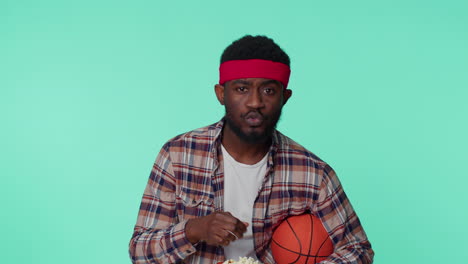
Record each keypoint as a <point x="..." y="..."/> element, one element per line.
<point x="286" y="95"/>
<point x="219" y="90"/>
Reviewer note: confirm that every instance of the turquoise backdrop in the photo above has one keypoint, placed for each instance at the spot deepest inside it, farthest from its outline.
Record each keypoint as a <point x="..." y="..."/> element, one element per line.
<point x="90" y="90"/>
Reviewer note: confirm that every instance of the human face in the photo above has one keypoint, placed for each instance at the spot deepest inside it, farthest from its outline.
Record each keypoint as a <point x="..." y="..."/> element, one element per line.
<point x="253" y="107"/>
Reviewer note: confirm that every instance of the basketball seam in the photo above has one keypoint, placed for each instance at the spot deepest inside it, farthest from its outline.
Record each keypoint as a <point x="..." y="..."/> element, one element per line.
<point x="295" y="252"/>
<point x="298" y="240"/>
<point x="311" y="241"/>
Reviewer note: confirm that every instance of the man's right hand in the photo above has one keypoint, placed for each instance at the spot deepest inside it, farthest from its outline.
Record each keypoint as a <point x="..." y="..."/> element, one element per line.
<point x="217" y="229"/>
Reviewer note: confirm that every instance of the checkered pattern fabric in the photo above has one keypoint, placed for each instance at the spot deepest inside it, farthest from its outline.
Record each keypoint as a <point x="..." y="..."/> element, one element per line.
<point x="187" y="182"/>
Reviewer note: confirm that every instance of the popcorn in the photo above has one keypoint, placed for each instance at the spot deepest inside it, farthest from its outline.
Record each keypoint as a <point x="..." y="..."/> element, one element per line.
<point x="242" y="260"/>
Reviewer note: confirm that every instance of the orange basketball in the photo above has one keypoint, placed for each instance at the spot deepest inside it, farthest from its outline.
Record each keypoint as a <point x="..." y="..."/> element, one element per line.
<point x="301" y="239"/>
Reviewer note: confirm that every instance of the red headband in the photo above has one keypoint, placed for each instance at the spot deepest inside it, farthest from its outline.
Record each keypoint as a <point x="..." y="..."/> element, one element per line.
<point x="254" y="68"/>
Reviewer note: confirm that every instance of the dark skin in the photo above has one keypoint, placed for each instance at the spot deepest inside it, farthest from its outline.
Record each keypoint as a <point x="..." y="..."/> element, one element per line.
<point x="253" y="107"/>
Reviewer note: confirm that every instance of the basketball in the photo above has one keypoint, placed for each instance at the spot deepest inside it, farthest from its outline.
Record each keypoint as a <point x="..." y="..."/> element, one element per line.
<point x="301" y="239"/>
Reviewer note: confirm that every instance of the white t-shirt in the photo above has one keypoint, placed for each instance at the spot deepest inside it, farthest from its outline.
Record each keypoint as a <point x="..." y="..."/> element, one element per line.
<point x="241" y="186"/>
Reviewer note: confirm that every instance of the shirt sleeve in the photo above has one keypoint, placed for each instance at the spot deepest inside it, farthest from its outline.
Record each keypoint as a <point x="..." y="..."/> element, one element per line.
<point x="158" y="235"/>
<point x="339" y="218"/>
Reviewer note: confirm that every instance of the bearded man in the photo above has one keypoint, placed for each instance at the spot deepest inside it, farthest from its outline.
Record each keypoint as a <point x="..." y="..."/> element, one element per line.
<point x="218" y="192"/>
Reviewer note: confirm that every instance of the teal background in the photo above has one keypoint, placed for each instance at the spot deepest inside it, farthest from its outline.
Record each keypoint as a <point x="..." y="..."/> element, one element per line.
<point x="90" y="90"/>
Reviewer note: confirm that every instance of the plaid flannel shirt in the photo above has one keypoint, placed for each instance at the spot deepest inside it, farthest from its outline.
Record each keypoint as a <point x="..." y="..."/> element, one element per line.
<point x="187" y="182"/>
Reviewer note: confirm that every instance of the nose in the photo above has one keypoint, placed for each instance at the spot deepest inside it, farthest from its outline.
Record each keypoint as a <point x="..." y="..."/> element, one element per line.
<point x="255" y="99"/>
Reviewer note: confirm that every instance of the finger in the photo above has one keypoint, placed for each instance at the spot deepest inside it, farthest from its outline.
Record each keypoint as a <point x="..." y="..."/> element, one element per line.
<point x="232" y="233"/>
<point x="224" y="236"/>
<point x="231" y="225"/>
<point x="235" y="231"/>
<point x="241" y="227"/>
<point x="225" y="241"/>
<point x="229" y="235"/>
<point x="227" y="217"/>
<point x="234" y="226"/>
<point x="235" y="234"/>
<point x="221" y="241"/>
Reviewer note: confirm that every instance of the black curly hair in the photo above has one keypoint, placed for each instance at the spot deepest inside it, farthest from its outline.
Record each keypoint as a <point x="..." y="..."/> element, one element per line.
<point x="255" y="47"/>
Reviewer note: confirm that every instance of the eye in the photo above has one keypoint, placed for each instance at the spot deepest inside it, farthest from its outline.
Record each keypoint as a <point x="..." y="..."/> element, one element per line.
<point x="269" y="90"/>
<point x="241" y="89"/>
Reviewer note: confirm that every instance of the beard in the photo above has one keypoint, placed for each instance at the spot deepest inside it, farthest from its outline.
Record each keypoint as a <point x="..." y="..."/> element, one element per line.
<point x="254" y="137"/>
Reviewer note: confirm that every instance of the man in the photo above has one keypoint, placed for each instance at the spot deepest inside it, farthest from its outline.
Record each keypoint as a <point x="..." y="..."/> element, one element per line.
<point x="218" y="192"/>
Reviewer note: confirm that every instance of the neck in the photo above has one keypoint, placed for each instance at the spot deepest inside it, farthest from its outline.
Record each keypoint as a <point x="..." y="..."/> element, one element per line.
<point x="243" y="151"/>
